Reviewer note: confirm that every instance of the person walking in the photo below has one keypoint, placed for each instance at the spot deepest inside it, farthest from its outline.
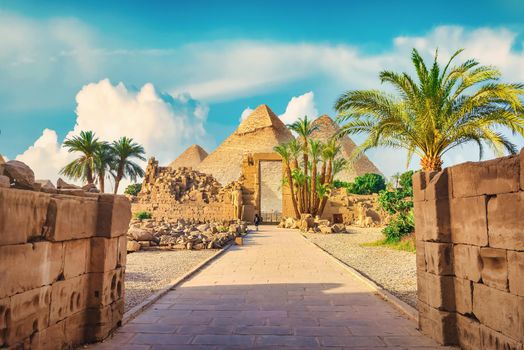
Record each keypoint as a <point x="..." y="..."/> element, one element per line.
<point x="257" y="221"/>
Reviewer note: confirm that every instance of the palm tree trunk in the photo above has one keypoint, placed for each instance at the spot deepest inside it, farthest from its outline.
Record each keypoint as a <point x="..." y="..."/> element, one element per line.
<point x="292" y="190"/>
<point x="431" y="163"/>
<point x="305" y="194"/>
<point x="89" y="175"/>
<point x="313" y="187"/>
<point x="101" y="180"/>
<point x="328" y="178"/>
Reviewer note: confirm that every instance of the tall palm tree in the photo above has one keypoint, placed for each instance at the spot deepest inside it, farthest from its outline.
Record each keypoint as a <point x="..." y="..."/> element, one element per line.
<point x="315" y="147"/>
<point x="441" y="109"/>
<point x="304" y="128"/>
<point x="84" y="166"/>
<point x="283" y="151"/>
<point x="124" y="149"/>
<point x="105" y="161"/>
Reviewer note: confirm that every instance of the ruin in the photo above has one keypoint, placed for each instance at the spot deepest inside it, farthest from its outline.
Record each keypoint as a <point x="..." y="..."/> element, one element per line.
<point x="470" y="253"/>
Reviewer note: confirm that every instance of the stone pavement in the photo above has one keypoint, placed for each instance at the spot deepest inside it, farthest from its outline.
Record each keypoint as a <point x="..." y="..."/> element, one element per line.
<point x="276" y="291"/>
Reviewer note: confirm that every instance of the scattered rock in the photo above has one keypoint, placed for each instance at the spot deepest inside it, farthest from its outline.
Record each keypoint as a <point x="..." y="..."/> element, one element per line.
<point x="140" y="234"/>
<point x="325" y="229"/>
<point x="133" y="246"/>
<point x="62" y="185"/>
<point x="46" y="185"/>
<point x="90" y="188"/>
<point x="20" y="174"/>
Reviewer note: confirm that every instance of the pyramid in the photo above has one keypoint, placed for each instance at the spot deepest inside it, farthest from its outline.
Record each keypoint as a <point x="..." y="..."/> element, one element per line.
<point x="326" y="129"/>
<point x="259" y="132"/>
<point x="190" y="158"/>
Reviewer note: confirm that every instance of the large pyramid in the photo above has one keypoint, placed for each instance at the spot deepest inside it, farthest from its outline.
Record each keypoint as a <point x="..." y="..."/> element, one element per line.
<point x="326" y="129"/>
<point x="259" y="132"/>
<point x="190" y="158"/>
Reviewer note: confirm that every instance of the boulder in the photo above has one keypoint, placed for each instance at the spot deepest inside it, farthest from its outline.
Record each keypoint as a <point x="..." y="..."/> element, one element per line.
<point x="338" y="228"/>
<point x="325" y="229"/>
<point x="306" y="222"/>
<point x="46" y="185"/>
<point x="20" y="174"/>
<point x="62" y="185"/>
<point x="90" y="188"/>
<point x="133" y="246"/>
<point x="140" y="234"/>
<point x="4" y="182"/>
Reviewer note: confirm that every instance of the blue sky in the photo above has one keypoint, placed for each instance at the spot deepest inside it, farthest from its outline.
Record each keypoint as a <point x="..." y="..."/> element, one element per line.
<point x="202" y="63"/>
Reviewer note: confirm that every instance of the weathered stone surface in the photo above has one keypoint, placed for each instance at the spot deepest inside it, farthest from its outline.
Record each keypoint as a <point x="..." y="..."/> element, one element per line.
<point x="46" y="258"/>
<point x="439" y="325"/>
<point x="23" y="214"/>
<point x="432" y="220"/>
<point x="468" y="333"/>
<point x="497" y="310"/>
<point x="103" y="254"/>
<point x="121" y="257"/>
<point x="495" y="176"/>
<point x="441" y="294"/>
<point x="439" y="258"/>
<point x="496" y="341"/>
<point x="505" y="221"/>
<point x="105" y="287"/>
<point x="468" y="220"/>
<point x="133" y="246"/>
<point x="62" y="185"/>
<point x="75" y="257"/>
<point x="71" y="218"/>
<point x="467" y="262"/>
<point x="421" y="255"/>
<point x="68" y="297"/>
<point x="494" y="268"/>
<point x="463" y="295"/>
<point x="20" y="174"/>
<point x="4" y="182"/>
<point x="114" y="213"/>
<point x="516" y="273"/>
<point x="52" y="337"/>
<point x="46" y="185"/>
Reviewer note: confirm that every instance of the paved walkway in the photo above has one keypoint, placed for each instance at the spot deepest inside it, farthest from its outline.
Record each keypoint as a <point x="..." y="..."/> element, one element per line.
<point x="276" y="291"/>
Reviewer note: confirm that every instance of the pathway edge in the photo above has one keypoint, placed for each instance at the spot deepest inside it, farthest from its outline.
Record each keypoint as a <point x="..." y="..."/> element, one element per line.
<point x="400" y="305"/>
<point x="136" y="310"/>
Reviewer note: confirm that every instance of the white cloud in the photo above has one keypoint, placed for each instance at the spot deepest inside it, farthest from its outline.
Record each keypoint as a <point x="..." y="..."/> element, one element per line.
<point x="245" y="113"/>
<point x="165" y="125"/>
<point x="300" y="106"/>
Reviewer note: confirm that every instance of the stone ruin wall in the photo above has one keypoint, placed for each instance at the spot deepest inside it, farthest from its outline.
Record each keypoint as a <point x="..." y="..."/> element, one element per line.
<point x="357" y="210"/>
<point x="469" y="222"/>
<point x="62" y="261"/>
<point x="172" y="194"/>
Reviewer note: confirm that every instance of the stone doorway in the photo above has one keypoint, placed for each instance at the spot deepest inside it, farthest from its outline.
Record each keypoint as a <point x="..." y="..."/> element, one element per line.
<point x="271" y="191"/>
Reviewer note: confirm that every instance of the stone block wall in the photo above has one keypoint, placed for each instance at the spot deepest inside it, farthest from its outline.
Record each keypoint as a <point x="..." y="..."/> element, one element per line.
<point x="469" y="223"/>
<point x="62" y="261"/>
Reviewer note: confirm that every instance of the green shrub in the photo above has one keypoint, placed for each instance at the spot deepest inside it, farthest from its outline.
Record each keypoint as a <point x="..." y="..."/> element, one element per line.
<point x="399" y="204"/>
<point x="340" y="184"/>
<point x="142" y="215"/>
<point x="367" y="184"/>
<point x="133" y="189"/>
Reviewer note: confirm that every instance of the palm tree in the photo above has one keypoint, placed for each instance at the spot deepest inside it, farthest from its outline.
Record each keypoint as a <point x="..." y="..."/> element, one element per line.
<point x="315" y="147"/>
<point x="283" y="151"/>
<point x="124" y="149"/>
<point x="443" y="109"/>
<point x="84" y="166"/>
<point x="105" y="161"/>
<point x="304" y="128"/>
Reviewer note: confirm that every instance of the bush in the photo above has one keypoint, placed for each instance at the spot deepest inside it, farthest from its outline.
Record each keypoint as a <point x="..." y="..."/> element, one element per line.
<point x="367" y="184"/>
<point x="133" y="189"/>
<point x="142" y="215"/>
<point x="399" y="204"/>
<point x="340" y="184"/>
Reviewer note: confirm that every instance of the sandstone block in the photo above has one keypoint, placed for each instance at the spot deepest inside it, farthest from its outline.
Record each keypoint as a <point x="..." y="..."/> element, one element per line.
<point x="122" y="251"/>
<point x="468" y="332"/>
<point x="422" y="287"/>
<point x="496" y="309"/>
<point x="438" y="186"/>
<point x="53" y="337"/>
<point x="105" y="287"/>
<point x="4" y="314"/>
<point x="468" y="220"/>
<point x="133" y="246"/>
<point x="68" y="297"/>
<point x="497" y="341"/>
<point x="103" y="254"/>
<point x="439" y="325"/>
<point x="421" y="256"/>
<point x="75" y="257"/>
<point x="505" y="213"/>
<point x="432" y="220"/>
<point x="494" y="268"/>
<point x="441" y="292"/>
<point x="463" y="296"/>
<point x="439" y="258"/>
<point x="71" y="218"/>
<point x="44" y="260"/>
<point x="20" y="174"/>
<point x="114" y="214"/>
<point x="516" y="273"/>
<point x="29" y="312"/>
<point x="495" y="176"/>
<point x="23" y="215"/>
<point x="75" y="329"/>
<point x="467" y="262"/>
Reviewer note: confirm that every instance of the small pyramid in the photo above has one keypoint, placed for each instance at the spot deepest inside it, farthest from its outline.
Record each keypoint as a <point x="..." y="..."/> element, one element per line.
<point x="258" y="133"/>
<point x="190" y="158"/>
<point x="326" y="129"/>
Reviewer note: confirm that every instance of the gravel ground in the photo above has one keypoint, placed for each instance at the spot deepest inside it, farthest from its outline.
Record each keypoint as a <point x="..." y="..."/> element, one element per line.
<point x="149" y="271"/>
<point x="393" y="270"/>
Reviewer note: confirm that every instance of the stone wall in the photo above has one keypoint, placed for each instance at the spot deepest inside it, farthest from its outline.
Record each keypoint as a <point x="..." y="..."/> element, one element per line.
<point x="354" y="209"/>
<point x="469" y="222"/>
<point x="62" y="260"/>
